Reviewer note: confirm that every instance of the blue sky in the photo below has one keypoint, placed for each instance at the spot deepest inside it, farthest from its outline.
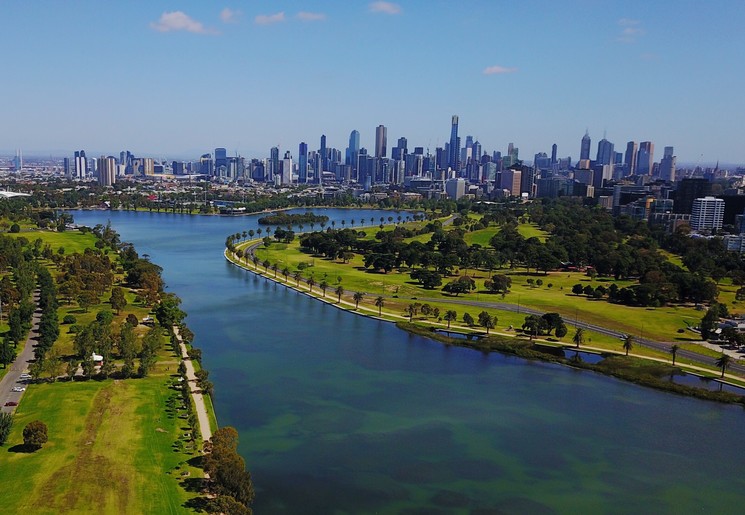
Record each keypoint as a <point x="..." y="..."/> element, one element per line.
<point x="178" y="78"/>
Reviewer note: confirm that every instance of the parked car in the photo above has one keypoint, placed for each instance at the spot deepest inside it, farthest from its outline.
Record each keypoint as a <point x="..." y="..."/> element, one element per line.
<point x="25" y="376"/>
<point x="18" y="389"/>
<point x="11" y="403"/>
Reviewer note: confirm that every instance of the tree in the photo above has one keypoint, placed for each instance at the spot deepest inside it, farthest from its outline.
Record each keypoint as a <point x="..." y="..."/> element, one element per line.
<point x="579" y="337"/>
<point x="674" y="351"/>
<point x="532" y="325"/>
<point x="311" y="282"/>
<point x="297" y="275"/>
<point x="450" y="315"/>
<point x="577" y="289"/>
<point x="7" y="354"/>
<point x="628" y="343"/>
<point x="561" y="331"/>
<point x="487" y="321"/>
<point x="499" y="283"/>
<point x="226" y="467"/>
<point x="468" y="319"/>
<point x="6" y="424"/>
<point x="35" y="435"/>
<point x="723" y="362"/>
<point x="380" y="302"/>
<point x="339" y="292"/>
<point x="358" y="296"/>
<point x="324" y="286"/>
<point x="460" y="285"/>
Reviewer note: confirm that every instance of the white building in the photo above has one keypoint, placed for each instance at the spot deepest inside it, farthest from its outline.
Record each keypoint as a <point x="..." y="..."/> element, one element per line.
<point x="455" y="188"/>
<point x="707" y="214"/>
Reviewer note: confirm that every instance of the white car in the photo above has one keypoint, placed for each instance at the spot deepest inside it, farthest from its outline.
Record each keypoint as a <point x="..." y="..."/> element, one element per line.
<point x="18" y="389"/>
<point x="25" y="376"/>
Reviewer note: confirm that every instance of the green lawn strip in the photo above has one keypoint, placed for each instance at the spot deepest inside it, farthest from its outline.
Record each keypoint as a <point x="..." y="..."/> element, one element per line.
<point x="71" y="241"/>
<point x="211" y="415"/>
<point x="110" y="450"/>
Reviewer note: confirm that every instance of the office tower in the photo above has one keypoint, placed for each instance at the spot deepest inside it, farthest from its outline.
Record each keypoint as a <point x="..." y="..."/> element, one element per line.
<point x="454" y="148"/>
<point x="584" y="152"/>
<point x="287" y="168"/>
<point x="510" y="180"/>
<point x="18" y="161"/>
<point x="667" y="165"/>
<point x="302" y="163"/>
<point x="707" y="214"/>
<point x="630" y="159"/>
<point x="476" y="151"/>
<point x="687" y="191"/>
<point x="67" y="168"/>
<point x="273" y="164"/>
<point x="106" y="171"/>
<point x="645" y="158"/>
<point x="381" y="141"/>
<point x="618" y="159"/>
<point x="400" y="150"/>
<point x="606" y="153"/>
<point x="455" y="188"/>
<point x="527" y="180"/>
<point x="323" y="151"/>
<point x="81" y="164"/>
<point x="221" y="160"/>
<point x="353" y="149"/>
<point x="554" y="149"/>
<point x="206" y="165"/>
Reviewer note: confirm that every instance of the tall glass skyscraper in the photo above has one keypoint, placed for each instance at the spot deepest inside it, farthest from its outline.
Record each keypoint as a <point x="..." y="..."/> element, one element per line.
<point x="302" y="163"/>
<point x="584" y="152"/>
<point x="381" y="141"/>
<point x="454" y="148"/>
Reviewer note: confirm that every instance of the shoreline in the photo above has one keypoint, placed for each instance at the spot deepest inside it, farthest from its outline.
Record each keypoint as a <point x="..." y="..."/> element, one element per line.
<point x="512" y="345"/>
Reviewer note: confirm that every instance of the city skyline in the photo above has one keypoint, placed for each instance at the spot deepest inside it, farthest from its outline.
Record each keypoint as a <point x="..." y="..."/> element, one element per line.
<point x="176" y="80"/>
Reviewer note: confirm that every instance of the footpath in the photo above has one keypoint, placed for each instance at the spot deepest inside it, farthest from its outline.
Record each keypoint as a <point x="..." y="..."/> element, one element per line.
<point x="196" y="394"/>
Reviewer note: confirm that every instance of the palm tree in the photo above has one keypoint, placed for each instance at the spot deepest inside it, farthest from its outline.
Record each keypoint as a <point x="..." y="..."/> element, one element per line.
<point x="275" y="267"/>
<point x="266" y="264"/>
<point x="244" y="234"/>
<point x="339" y="292"/>
<point x="311" y="282"/>
<point x="450" y="315"/>
<point x="357" y="298"/>
<point x="297" y="275"/>
<point x="251" y="233"/>
<point x="723" y="362"/>
<point x="411" y="310"/>
<point x="674" y="351"/>
<point x="324" y="285"/>
<point x="380" y="302"/>
<point x="256" y="261"/>
<point x="579" y="337"/>
<point x="628" y="343"/>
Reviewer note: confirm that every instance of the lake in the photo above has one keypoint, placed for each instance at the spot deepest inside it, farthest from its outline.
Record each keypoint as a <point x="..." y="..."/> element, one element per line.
<point x="344" y="414"/>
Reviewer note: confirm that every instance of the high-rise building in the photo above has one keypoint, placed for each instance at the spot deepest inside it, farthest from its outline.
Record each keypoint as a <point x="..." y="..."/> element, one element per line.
<point x="630" y="159"/>
<point x="353" y="149"/>
<point x="302" y="163"/>
<point x="107" y="171"/>
<point x="287" y="168"/>
<point x="455" y="188"/>
<point x="606" y="153"/>
<point x="476" y="151"/>
<point x="510" y="180"/>
<point x="667" y="165"/>
<point x="273" y="164"/>
<point x="381" y="141"/>
<point x="221" y="160"/>
<point x="584" y="152"/>
<point x="554" y="150"/>
<point x="454" y="148"/>
<point x="687" y="191"/>
<point x="707" y="214"/>
<point x="645" y="158"/>
<point x="81" y="164"/>
<point x="18" y="161"/>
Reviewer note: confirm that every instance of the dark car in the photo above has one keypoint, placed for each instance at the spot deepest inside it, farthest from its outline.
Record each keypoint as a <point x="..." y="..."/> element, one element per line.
<point x="11" y="403"/>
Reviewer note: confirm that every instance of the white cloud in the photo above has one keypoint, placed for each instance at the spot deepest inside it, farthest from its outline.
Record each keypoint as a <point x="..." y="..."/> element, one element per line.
<point x="498" y="70"/>
<point x="268" y="19"/>
<point x="178" y="20"/>
<point x="385" y="7"/>
<point x="306" y="16"/>
<point x="228" y="15"/>
<point x="630" y="30"/>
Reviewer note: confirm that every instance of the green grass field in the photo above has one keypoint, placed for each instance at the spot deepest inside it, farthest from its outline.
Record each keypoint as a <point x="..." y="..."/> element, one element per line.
<point x="110" y="450"/>
<point x="72" y="241"/>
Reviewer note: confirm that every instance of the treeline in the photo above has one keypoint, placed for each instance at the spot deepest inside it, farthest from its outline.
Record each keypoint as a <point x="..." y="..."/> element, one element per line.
<point x="293" y="219"/>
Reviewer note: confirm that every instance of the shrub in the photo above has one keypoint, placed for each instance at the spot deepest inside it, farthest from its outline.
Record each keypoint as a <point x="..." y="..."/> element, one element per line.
<point x="69" y="319"/>
<point x="15" y="228"/>
<point x="35" y="434"/>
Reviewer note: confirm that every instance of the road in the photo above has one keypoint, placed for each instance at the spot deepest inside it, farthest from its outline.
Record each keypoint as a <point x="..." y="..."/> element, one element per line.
<point x="20" y="365"/>
<point x="196" y="394"/>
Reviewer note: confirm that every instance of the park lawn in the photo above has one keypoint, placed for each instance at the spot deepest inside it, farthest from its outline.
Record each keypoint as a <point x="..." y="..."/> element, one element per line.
<point x="672" y="258"/>
<point x="110" y="450"/>
<point x="72" y="241"/>
<point x="482" y="236"/>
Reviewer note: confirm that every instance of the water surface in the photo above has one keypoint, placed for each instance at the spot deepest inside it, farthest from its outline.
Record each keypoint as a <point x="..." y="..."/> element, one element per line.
<point x="343" y="414"/>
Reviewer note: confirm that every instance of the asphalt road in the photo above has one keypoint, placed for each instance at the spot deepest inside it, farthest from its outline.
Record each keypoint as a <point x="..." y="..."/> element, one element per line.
<point x="20" y="365"/>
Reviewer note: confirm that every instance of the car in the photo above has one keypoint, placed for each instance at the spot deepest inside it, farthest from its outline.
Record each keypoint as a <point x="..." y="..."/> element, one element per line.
<point x="11" y="403"/>
<point x="25" y="376"/>
<point x="18" y="389"/>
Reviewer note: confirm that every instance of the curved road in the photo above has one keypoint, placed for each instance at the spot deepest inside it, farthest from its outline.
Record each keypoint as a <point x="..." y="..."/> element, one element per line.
<point x="20" y="365"/>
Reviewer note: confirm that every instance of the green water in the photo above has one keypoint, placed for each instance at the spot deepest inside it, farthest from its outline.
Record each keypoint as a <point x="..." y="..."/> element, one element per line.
<point x="342" y="414"/>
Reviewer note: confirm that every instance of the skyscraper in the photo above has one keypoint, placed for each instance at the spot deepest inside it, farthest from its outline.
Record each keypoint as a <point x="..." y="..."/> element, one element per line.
<point x="81" y="164"/>
<point x="667" y="165"/>
<point x="353" y="149"/>
<point x="584" y="152"/>
<point x="302" y="163"/>
<point x="707" y="214"/>
<point x="381" y="141"/>
<point x="554" y="149"/>
<point x="454" y="148"/>
<point x="106" y="171"/>
<point x="323" y="154"/>
<point x="287" y="168"/>
<point x="645" y="158"/>
<point x="221" y="159"/>
<point x="630" y="159"/>
<point x="606" y="153"/>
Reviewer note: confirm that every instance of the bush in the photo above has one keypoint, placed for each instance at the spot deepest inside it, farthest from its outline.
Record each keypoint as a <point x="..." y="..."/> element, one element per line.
<point x="132" y="320"/>
<point x="69" y="319"/>
<point x="6" y="423"/>
<point x="35" y="434"/>
<point x="15" y="228"/>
